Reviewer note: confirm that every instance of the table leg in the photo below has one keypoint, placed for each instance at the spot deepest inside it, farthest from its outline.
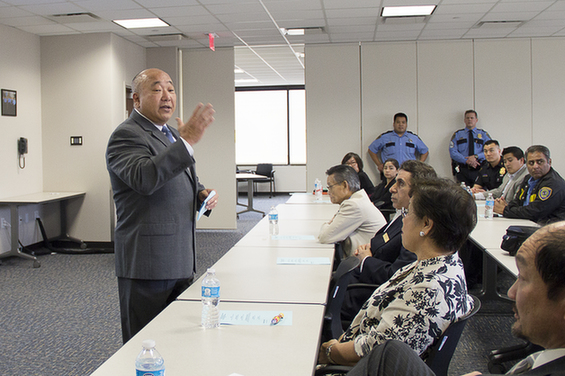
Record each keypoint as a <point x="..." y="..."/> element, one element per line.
<point x="250" y="200"/>
<point x="490" y="272"/>
<point x="15" y="246"/>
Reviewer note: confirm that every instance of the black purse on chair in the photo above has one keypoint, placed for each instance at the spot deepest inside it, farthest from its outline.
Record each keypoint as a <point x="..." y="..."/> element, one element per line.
<point x="515" y="236"/>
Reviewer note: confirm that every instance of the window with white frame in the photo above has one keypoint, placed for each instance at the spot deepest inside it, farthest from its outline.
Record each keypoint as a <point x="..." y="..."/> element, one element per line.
<point x="270" y="126"/>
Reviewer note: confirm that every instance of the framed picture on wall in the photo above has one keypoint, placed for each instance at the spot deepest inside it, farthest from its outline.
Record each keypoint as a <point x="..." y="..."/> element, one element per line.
<point x="9" y="104"/>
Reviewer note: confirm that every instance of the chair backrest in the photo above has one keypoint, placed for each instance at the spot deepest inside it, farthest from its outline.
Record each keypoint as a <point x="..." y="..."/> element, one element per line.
<point x="338" y="286"/>
<point x="438" y="356"/>
<point x="264" y="169"/>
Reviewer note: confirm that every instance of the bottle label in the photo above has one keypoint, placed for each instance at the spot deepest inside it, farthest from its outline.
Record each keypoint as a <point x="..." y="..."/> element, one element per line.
<point x="273" y="217"/>
<point x="150" y="373"/>
<point x="210" y="292"/>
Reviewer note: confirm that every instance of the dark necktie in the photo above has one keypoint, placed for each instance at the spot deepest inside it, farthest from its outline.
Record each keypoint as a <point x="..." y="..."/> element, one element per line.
<point x="471" y="143"/>
<point x="168" y="133"/>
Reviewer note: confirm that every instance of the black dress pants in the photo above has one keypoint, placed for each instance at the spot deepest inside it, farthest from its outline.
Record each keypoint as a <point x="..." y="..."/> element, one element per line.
<point x="141" y="300"/>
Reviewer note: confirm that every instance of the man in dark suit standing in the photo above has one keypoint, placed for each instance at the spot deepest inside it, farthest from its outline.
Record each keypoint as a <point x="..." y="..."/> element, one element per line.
<point x="156" y="193"/>
<point x="539" y="309"/>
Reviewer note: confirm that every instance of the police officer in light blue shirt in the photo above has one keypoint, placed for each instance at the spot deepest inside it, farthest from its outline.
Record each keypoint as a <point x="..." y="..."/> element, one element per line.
<point x="398" y="144"/>
<point x="466" y="149"/>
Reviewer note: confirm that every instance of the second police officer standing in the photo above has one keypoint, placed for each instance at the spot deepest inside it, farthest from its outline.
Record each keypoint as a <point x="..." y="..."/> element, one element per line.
<point x="466" y="149"/>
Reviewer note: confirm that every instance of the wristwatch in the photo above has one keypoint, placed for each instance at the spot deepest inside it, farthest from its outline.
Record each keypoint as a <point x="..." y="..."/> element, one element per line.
<point x="329" y="353"/>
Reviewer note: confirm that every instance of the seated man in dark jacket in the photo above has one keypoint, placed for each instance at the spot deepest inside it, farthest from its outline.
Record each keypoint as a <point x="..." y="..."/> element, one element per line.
<point x="541" y="196"/>
<point x="385" y="254"/>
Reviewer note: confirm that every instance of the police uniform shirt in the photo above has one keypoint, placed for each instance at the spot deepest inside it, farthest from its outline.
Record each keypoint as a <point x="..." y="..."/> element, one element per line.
<point x="459" y="145"/>
<point x="546" y="202"/>
<point x="491" y="177"/>
<point x="401" y="148"/>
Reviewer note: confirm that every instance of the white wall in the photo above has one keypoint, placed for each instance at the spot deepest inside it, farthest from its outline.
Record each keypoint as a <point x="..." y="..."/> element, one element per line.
<point x="208" y="77"/>
<point x="333" y="107"/>
<point x="20" y="71"/>
<point x="516" y="86"/>
<point x="83" y="90"/>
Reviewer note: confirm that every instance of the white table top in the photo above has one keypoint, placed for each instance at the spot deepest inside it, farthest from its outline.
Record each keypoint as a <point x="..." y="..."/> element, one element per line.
<point x="306" y="211"/>
<point x="251" y="274"/>
<point x="249" y="176"/>
<point x="292" y="233"/>
<point x="489" y="233"/>
<point x="247" y="350"/>
<point x="308" y="198"/>
<point x="40" y="197"/>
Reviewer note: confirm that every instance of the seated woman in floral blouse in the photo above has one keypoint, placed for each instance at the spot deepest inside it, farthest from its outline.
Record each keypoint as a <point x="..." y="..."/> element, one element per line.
<point x="423" y="298"/>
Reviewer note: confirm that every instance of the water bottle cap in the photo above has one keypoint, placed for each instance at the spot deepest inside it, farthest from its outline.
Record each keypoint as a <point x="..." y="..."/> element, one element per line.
<point x="211" y="270"/>
<point x="148" y="344"/>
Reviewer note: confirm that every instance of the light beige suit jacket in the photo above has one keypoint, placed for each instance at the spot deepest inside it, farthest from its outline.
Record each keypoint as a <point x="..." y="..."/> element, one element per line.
<point x="355" y="223"/>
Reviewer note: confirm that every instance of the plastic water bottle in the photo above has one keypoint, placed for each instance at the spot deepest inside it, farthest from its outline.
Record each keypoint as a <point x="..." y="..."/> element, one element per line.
<point x="467" y="189"/>
<point x="318" y="189"/>
<point x="489" y="206"/>
<point x="210" y="300"/>
<point x="273" y="221"/>
<point x="149" y="362"/>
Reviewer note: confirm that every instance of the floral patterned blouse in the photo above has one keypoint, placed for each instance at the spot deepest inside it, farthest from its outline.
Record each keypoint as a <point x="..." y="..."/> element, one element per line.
<point x="415" y="306"/>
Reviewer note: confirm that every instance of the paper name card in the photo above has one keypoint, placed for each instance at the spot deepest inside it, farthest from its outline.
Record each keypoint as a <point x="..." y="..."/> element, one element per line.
<point x="293" y="237"/>
<point x="303" y="261"/>
<point x="254" y="317"/>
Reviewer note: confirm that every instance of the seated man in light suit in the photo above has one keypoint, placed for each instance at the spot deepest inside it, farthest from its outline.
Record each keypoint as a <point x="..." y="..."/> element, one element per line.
<point x="513" y="158"/>
<point x="539" y="309"/>
<point x="357" y="219"/>
<point x="384" y="255"/>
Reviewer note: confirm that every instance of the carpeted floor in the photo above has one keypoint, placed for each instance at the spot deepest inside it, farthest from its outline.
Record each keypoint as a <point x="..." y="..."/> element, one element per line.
<point x="63" y="318"/>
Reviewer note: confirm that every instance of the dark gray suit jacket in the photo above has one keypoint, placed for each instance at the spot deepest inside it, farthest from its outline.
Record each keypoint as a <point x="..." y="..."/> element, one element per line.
<point x="155" y="191"/>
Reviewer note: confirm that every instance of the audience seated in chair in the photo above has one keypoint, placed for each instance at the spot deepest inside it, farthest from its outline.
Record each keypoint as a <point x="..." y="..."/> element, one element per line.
<point x="381" y="197"/>
<point x="539" y="309"/>
<point x="422" y="299"/>
<point x="354" y="160"/>
<point x="357" y="219"/>
<point x="384" y="255"/>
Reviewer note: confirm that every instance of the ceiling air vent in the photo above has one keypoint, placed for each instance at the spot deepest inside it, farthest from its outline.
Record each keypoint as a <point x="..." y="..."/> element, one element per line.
<point x="498" y="24"/>
<point x="74" y="18"/>
<point x="165" y="37"/>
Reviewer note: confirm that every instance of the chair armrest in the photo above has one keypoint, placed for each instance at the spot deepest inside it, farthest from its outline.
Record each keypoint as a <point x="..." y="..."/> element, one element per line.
<point x="356" y="286"/>
<point x="331" y="369"/>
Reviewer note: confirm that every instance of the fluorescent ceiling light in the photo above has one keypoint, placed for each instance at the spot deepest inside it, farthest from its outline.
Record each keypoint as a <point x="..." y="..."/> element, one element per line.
<point x="141" y="22"/>
<point x="238" y="70"/>
<point x="246" y="80"/>
<point x="408" y="11"/>
<point x="292" y="31"/>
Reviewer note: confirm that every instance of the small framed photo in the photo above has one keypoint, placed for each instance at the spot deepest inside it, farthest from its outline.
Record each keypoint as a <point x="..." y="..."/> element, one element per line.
<point x="9" y="103"/>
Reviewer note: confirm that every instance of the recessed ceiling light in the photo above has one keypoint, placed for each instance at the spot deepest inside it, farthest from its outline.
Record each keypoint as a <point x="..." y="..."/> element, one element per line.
<point x="141" y="22"/>
<point x="408" y="11"/>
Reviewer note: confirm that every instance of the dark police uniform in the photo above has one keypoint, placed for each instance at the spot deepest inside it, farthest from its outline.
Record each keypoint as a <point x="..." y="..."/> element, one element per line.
<point x="459" y="149"/>
<point x="491" y="177"/>
<point x="546" y="203"/>
<point x="401" y="148"/>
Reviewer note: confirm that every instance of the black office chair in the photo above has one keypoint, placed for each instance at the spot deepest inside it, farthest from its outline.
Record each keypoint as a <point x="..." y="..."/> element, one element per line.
<point x="388" y="212"/>
<point x="266" y="169"/>
<point x="336" y="294"/>
<point x="497" y="357"/>
<point x="437" y="356"/>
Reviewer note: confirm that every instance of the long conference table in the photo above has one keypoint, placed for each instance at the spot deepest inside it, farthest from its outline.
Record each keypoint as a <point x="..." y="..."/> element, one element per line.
<point x="487" y="235"/>
<point x="261" y="276"/>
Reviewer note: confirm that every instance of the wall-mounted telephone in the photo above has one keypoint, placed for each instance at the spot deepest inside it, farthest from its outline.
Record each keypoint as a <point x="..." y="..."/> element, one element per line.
<point x="22" y="145"/>
<point x="22" y="149"/>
